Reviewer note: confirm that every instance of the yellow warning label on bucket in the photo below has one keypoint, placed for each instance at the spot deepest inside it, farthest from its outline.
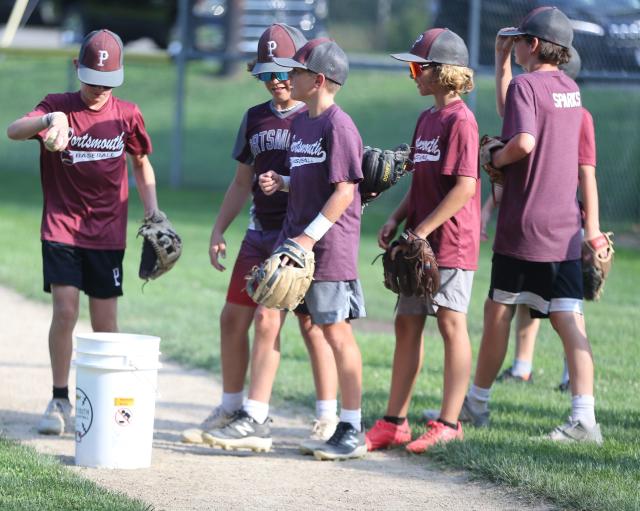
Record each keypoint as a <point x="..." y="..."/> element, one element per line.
<point x="123" y="401"/>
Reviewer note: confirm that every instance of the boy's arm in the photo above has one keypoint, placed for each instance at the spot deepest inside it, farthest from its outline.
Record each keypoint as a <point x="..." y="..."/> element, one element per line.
<point x="234" y="200"/>
<point x="589" y="191"/>
<point x="502" y="70"/>
<point x="517" y="148"/>
<point x="332" y="210"/>
<point x="388" y="230"/>
<point x="145" y="182"/>
<point x="454" y="201"/>
<point x="29" y="126"/>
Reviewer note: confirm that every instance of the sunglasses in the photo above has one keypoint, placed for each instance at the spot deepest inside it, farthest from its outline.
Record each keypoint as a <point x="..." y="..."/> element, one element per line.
<point x="415" y="68"/>
<point x="267" y="77"/>
<point x="103" y="87"/>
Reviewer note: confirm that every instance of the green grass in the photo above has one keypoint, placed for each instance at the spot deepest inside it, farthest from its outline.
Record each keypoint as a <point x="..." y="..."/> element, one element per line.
<point x="183" y="307"/>
<point x="33" y="482"/>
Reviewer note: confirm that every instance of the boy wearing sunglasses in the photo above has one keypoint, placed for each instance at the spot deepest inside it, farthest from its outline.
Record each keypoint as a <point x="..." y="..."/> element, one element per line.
<point x="323" y="215"/>
<point x="442" y="205"/>
<point x="83" y="139"/>
<point x="537" y="250"/>
<point x="262" y="143"/>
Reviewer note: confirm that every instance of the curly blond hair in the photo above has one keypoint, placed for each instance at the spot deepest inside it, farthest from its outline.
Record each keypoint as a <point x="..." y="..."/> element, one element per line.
<point x="457" y="79"/>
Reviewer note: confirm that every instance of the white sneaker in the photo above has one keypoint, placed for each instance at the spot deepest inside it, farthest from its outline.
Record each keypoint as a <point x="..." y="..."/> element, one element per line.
<point x="321" y="431"/>
<point x="56" y="419"/>
<point x="576" y="431"/>
<point x="217" y="419"/>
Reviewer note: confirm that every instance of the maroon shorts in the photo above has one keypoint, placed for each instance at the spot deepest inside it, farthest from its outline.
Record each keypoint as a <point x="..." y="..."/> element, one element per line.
<point x="256" y="247"/>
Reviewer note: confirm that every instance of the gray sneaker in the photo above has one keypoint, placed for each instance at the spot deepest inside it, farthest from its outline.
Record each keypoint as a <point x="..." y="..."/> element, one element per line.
<point x="346" y="443"/>
<point x="466" y="415"/>
<point x="321" y="431"/>
<point x="57" y="419"/>
<point x="243" y="432"/>
<point x="217" y="419"/>
<point x="576" y="431"/>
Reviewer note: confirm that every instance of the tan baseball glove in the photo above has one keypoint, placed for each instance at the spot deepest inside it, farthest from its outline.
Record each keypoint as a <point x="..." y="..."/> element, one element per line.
<point x="280" y="284"/>
<point x="487" y="146"/>
<point x="161" y="247"/>
<point x="597" y="259"/>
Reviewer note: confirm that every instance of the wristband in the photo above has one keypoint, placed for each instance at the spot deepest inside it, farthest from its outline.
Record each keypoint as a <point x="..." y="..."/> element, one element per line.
<point x="46" y="119"/>
<point x="285" y="180"/>
<point x="319" y="227"/>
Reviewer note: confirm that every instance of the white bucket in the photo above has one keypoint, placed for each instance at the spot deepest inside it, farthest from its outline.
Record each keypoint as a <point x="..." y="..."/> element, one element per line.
<point x="116" y="384"/>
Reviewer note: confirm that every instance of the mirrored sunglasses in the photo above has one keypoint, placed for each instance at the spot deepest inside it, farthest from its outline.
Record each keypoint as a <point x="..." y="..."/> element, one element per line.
<point x="267" y="77"/>
<point x="415" y="68"/>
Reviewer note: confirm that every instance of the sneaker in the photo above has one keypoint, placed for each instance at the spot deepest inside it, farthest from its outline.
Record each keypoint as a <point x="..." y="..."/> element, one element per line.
<point x="344" y="444"/>
<point x="479" y="420"/>
<point x="508" y="376"/>
<point x="384" y="435"/>
<point x="436" y="433"/>
<point x="564" y="386"/>
<point x="56" y="419"/>
<point x="321" y="431"/>
<point x="243" y="432"/>
<point x="217" y="419"/>
<point x="576" y="431"/>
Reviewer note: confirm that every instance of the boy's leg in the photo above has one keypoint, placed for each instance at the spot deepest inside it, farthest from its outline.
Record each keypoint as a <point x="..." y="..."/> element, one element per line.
<point x="235" y="321"/>
<point x="526" y="333"/>
<point x="348" y="362"/>
<point x="66" y="302"/>
<point x="104" y="314"/>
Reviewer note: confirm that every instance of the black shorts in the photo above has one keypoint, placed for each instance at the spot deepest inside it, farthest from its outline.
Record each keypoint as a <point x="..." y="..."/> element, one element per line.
<point x="544" y="287"/>
<point x="96" y="272"/>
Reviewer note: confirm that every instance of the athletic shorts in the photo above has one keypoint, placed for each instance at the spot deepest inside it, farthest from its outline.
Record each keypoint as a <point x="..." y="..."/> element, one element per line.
<point x="255" y="248"/>
<point x="544" y="287"/>
<point x="454" y="294"/>
<point x="330" y="302"/>
<point x="96" y="272"/>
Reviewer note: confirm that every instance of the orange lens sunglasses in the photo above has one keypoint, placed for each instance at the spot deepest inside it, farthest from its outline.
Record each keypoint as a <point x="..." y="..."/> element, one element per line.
<point x="415" y="69"/>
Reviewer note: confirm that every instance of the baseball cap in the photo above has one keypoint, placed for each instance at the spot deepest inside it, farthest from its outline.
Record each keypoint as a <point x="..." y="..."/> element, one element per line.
<point x="320" y="55"/>
<point x="279" y="40"/>
<point x="548" y="23"/>
<point x="439" y="45"/>
<point x="101" y="59"/>
<point x="572" y="68"/>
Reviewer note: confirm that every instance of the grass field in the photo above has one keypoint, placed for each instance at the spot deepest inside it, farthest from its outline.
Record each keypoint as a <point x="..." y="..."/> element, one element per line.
<point x="184" y="305"/>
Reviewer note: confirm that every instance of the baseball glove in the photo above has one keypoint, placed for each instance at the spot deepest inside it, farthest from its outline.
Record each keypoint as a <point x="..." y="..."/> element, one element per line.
<point x="279" y="285"/>
<point x="161" y="246"/>
<point x="410" y="266"/>
<point x="382" y="169"/>
<point x="597" y="259"/>
<point x="487" y="145"/>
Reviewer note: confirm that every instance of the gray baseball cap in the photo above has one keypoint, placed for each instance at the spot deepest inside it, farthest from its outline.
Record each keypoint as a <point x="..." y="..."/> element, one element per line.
<point x="101" y="59"/>
<point x="548" y="23"/>
<point x="320" y="55"/>
<point x="279" y="40"/>
<point x="439" y="45"/>
<point x="572" y="68"/>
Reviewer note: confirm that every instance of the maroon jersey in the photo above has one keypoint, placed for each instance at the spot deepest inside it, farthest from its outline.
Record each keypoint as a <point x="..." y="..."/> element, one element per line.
<point x="263" y="140"/>
<point x="445" y="146"/>
<point x="539" y="217"/>
<point x="85" y="187"/>
<point x="325" y="150"/>
<point x="587" y="144"/>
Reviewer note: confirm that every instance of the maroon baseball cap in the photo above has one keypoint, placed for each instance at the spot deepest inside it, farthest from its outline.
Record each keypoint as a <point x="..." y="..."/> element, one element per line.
<point x="439" y="45"/>
<point x="279" y="40"/>
<point x="320" y="55"/>
<point x="101" y="59"/>
<point x="548" y="23"/>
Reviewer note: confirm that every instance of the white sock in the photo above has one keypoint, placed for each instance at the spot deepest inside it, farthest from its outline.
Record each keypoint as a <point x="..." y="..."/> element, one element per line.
<point x="257" y="410"/>
<point x="231" y="401"/>
<point x="353" y="417"/>
<point x="583" y="410"/>
<point x="565" y="372"/>
<point x="521" y="368"/>
<point x="326" y="408"/>
<point x="478" y="399"/>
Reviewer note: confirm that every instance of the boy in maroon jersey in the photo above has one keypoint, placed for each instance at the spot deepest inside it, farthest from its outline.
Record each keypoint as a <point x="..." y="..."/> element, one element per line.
<point x="443" y="205"/>
<point x="83" y="138"/>
<point x="262" y="143"/>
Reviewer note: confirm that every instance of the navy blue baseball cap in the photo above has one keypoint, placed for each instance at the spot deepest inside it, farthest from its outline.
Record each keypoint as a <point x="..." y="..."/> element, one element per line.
<point x="438" y="45"/>
<point x="548" y="23"/>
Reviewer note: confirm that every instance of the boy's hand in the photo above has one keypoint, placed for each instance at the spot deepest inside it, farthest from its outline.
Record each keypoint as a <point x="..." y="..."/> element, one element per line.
<point x="387" y="232"/>
<point x="57" y="136"/>
<point x="504" y="44"/>
<point x="270" y="182"/>
<point x="217" y="249"/>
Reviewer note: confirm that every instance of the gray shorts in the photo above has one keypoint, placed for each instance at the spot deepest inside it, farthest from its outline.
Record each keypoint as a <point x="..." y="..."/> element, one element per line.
<point x="331" y="302"/>
<point x="454" y="294"/>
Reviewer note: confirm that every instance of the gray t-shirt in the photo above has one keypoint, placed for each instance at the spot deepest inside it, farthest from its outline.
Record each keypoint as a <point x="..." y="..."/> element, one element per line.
<point x="539" y="217"/>
<point x="325" y="150"/>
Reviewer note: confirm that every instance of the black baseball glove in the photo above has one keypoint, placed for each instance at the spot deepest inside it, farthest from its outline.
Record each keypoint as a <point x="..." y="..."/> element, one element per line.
<point x="381" y="170"/>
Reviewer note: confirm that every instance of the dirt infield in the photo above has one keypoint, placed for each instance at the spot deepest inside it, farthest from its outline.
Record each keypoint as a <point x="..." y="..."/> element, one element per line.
<point x="191" y="477"/>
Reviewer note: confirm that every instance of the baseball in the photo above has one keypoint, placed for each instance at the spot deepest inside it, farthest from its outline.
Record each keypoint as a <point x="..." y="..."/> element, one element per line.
<point x="50" y="141"/>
